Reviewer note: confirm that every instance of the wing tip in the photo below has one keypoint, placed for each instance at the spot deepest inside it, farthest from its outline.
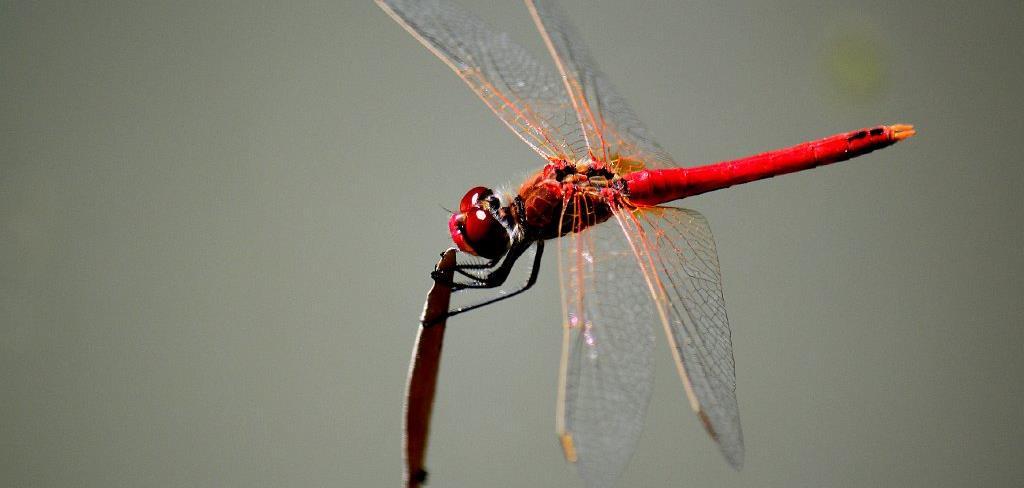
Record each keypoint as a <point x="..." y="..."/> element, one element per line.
<point x="735" y="458"/>
<point x="733" y="455"/>
<point x="568" y="447"/>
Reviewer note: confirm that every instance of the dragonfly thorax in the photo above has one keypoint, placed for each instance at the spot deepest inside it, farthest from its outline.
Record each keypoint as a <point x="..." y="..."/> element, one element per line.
<point x="563" y="198"/>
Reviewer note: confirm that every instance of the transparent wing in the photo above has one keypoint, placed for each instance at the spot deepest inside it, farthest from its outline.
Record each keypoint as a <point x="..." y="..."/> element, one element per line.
<point x="677" y="253"/>
<point x="606" y="374"/>
<point x="613" y="132"/>
<point x="526" y="96"/>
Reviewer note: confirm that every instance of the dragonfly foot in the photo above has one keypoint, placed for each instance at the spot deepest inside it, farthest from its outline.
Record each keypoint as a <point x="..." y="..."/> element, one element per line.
<point x="455" y="286"/>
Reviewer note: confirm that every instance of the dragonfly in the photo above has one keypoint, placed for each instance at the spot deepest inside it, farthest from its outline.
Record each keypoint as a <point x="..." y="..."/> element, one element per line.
<point x="627" y="262"/>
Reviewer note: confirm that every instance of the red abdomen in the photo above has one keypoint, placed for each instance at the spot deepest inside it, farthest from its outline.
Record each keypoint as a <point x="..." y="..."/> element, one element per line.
<point x="657" y="186"/>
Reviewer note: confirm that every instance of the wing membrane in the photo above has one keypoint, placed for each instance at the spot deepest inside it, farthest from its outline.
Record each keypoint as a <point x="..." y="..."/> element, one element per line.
<point x="607" y="373"/>
<point x="677" y="253"/>
<point x="526" y="96"/>
<point x="612" y="130"/>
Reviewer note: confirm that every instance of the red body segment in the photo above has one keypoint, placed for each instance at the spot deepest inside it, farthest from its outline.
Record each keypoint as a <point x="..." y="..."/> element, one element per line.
<point x="657" y="186"/>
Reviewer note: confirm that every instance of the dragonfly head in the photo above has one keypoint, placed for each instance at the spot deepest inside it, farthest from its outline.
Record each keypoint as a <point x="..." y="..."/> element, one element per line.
<point x="482" y="226"/>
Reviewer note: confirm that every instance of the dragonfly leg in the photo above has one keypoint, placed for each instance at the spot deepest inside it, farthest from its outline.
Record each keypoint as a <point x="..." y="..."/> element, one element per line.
<point x="468" y="270"/>
<point x="491" y="274"/>
<point x="497" y="278"/>
<point x="497" y="275"/>
<point x="477" y="273"/>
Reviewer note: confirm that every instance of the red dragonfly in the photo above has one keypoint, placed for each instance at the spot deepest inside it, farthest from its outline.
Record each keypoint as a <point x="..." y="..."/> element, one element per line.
<point x="626" y="261"/>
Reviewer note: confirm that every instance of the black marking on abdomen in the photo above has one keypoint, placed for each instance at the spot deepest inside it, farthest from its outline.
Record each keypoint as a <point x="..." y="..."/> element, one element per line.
<point x="859" y="135"/>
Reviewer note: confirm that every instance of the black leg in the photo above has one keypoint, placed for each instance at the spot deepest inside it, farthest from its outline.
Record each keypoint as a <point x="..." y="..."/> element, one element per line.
<point x="464" y="270"/>
<point x="495" y="275"/>
<point x="497" y="278"/>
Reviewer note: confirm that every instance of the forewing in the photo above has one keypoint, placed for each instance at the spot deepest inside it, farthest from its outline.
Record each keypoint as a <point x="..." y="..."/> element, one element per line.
<point x="677" y="252"/>
<point x="607" y="373"/>
<point x="613" y="131"/>
<point x="526" y="96"/>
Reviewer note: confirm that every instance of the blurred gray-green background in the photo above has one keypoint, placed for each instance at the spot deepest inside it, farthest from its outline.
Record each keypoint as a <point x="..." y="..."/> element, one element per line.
<point x="217" y="219"/>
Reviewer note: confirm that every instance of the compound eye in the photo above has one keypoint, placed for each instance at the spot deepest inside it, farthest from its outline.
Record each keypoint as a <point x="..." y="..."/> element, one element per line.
<point x="488" y="238"/>
<point x="473" y="196"/>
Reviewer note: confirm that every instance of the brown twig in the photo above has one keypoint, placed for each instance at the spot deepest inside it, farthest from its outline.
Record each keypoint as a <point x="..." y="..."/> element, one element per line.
<point x="422" y="382"/>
